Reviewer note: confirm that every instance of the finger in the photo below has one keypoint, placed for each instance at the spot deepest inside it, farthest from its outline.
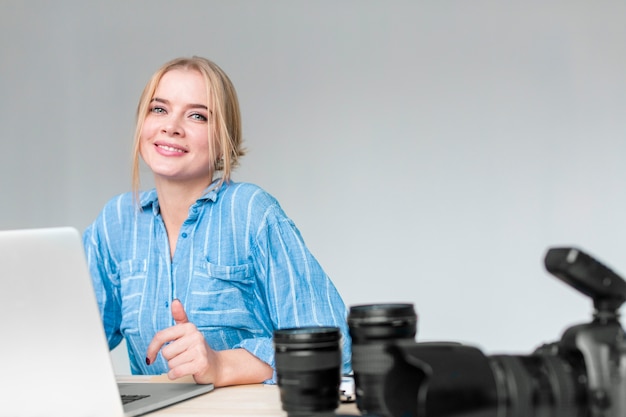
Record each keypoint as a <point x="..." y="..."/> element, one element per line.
<point x="160" y="339"/>
<point x="186" y="348"/>
<point x="178" y="312"/>
<point x="182" y="370"/>
<point x="179" y="359"/>
<point x="153" y="349"/>
<point x="187" y="364"/>
<point x="178" y="346"/>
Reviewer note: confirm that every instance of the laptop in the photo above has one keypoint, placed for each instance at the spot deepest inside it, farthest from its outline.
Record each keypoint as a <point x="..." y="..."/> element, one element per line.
<point x="54" y="353"/>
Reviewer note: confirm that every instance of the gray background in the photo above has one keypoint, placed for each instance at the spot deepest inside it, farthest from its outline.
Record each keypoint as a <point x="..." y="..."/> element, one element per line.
<point x="429" y="151"/>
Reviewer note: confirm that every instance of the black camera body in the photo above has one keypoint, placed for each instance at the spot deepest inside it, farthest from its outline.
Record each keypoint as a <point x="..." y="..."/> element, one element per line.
<point x="582" y="374"/>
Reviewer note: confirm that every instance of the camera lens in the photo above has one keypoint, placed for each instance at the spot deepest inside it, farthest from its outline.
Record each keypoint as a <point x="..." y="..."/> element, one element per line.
<point x="542" y="384"/>
<point x="373" y="327"/>
<point x="451" y="379"/>
<point x="308" y="370"/>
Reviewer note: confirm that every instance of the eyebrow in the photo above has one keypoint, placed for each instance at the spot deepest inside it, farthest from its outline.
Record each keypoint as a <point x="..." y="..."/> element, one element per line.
<point x="191" y="106"/>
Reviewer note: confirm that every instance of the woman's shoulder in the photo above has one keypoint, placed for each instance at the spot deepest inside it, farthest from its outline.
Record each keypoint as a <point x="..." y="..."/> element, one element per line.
<point x="246" y="192"/>
<point x="250" y="201"/>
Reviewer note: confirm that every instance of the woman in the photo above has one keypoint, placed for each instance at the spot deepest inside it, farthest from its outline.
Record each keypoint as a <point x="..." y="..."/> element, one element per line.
<point x="198" y="272"/>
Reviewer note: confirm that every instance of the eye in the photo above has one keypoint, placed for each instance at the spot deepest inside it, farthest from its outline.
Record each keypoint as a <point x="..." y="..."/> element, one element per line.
<point x="157" y="109"/>
<point x="199" y="117"/>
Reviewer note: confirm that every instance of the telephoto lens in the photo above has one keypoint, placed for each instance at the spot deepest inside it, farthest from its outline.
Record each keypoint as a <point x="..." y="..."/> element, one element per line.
<point x="308" y="370"/>
<point x="373" y="327"/>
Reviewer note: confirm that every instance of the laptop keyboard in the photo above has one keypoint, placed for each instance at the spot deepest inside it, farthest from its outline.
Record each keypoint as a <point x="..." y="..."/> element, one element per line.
<point x="130" y="398"/>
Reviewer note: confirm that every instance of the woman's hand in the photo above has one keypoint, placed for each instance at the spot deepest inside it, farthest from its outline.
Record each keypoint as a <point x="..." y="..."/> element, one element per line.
<point x="187" y="353"/>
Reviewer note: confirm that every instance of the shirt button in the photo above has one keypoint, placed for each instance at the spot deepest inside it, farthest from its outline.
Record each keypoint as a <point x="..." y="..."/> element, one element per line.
<point x="184" y="235"/>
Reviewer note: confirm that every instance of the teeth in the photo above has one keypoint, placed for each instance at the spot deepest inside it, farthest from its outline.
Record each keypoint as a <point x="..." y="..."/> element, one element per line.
<point x="169" y="148"/>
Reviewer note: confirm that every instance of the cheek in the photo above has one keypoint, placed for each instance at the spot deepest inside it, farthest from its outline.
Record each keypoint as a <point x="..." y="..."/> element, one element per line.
<point x="142" y="148"/>
<point x="149" y="129"/>
<point x="199" y="138"/>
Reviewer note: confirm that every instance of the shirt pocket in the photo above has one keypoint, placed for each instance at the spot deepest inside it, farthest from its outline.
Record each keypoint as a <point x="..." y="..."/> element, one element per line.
<point x="133" y="276"/>
<point x="222" y="296"/>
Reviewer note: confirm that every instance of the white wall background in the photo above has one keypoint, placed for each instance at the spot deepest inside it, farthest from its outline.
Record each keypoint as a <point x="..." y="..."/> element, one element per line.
<point x="429" y="151"/>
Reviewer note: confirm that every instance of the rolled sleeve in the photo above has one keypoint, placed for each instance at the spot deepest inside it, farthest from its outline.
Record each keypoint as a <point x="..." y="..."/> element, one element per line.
<point x="262" y="348"/>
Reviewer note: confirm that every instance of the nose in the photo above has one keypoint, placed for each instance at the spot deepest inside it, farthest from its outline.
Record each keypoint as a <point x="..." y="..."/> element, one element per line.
<point x="172" y="127"/>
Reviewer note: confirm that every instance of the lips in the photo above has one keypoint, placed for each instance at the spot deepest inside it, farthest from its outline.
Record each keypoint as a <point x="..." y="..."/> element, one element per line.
<point x="168" y="148"/>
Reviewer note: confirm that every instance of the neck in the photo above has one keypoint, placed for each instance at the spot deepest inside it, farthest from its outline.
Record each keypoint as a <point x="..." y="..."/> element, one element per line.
<point x="175" y="198"/>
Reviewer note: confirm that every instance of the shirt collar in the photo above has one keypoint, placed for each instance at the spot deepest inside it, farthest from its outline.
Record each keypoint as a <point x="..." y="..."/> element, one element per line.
<point x="211" y="193"/>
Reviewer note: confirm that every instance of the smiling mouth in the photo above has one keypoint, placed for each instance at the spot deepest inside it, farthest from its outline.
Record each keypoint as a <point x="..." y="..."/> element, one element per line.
<point x="171" y="149"/>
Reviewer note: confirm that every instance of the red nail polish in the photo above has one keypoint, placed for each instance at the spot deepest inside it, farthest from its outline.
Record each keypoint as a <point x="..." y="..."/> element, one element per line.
<point x="147" y="361"/>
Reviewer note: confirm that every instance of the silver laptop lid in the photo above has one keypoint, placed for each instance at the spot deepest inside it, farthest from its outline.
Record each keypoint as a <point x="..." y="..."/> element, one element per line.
<point x="54" y="352"/>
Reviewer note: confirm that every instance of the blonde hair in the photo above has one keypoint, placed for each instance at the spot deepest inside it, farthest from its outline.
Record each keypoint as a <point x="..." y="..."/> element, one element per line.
<point x="224" y="119"/>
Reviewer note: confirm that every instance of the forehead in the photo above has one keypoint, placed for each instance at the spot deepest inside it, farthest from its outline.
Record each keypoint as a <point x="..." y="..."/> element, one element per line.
<point x="182" y="85"/>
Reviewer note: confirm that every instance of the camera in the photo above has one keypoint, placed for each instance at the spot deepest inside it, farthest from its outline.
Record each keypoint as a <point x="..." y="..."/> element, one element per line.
<point x="582" y="374"/>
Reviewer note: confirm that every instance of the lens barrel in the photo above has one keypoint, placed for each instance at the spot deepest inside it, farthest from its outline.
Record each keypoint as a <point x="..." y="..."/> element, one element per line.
<point x="308" y="370"/>
<point x="373" y="327"/>
<point x="541" y="385"/>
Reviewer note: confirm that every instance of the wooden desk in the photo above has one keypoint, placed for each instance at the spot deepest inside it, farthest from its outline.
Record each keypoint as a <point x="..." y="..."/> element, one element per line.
<point x="255" y="400"/>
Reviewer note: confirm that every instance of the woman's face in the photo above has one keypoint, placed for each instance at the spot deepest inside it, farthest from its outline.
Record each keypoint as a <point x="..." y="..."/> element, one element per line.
<point x="174" y="138"/>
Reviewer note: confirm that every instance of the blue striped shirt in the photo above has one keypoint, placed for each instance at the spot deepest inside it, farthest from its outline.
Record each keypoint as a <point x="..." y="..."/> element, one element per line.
<point x="241" y="270"/>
